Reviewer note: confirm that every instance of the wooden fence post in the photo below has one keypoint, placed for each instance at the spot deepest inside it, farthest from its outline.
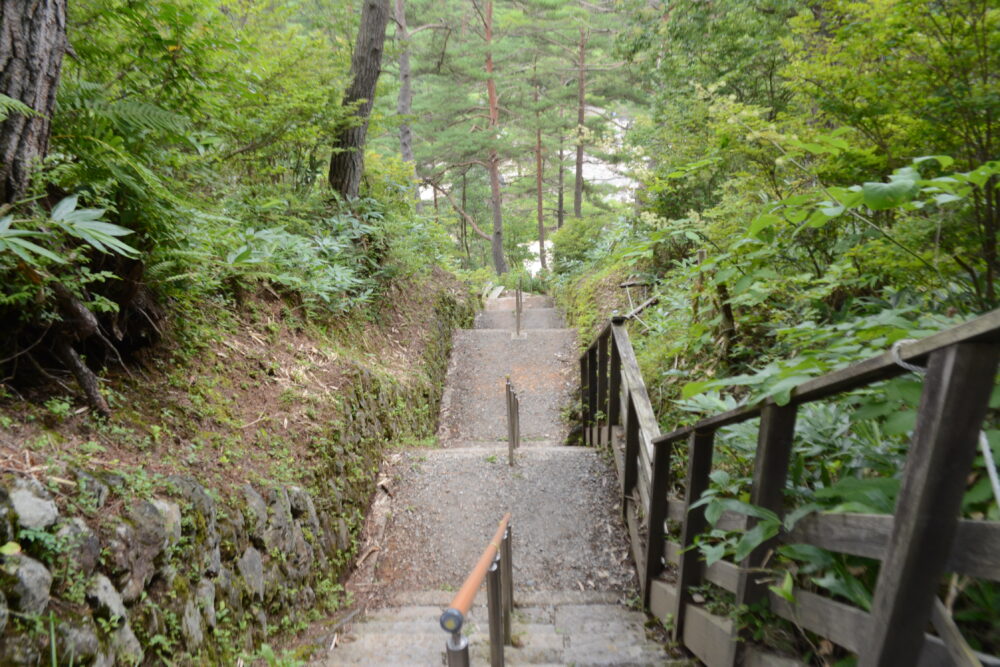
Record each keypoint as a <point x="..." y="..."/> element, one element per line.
<point x="592" y="373"/>
<point x="615" y="381"/>
<point x="630" y="463"/>
<point x="602" y="384"/>
<point x="952" y="407"/>
<point x="656" y="515"/>
<point x="700" y="446"/>
<point x="584" y="395"/>
<point x="770" y="470"/>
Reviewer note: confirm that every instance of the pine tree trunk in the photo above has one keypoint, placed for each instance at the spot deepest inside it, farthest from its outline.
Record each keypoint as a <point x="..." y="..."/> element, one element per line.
<point x="404" y="103"/>
<point x="493" y="162"/>
<point x="348" y="159"/>
<point x="538" y="182"/>
<point x="581" y="102"/>
<point x="561" y="206"/>
<point x="32" y="45"/>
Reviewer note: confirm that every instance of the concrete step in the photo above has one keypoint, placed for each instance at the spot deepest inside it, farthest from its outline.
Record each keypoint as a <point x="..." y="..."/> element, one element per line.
<point x="528" y="302"/>
<point x="542" y="367"/>
<point x="536" y="318"/>
<point x="598" y="633"/>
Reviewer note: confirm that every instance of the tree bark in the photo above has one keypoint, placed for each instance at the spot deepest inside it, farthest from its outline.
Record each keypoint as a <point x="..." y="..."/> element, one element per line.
<point x="538" y="182"/>
<point x="348" y="159"/>
<point x="32" y="45"/>
<point x="404" y="103"/>
<point x="561" y="206"/>
<point x="493" y="162"/>
<point x="581" y="105"/>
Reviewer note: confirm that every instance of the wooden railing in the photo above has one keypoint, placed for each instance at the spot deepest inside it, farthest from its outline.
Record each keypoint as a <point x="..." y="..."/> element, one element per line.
<point x="917" y="545"/>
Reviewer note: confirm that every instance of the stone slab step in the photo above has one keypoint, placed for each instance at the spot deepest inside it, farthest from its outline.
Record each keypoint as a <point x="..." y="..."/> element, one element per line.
<point x="528" y="301"/>
<point x="542" y="367"/>
<point x="536" y="318"/>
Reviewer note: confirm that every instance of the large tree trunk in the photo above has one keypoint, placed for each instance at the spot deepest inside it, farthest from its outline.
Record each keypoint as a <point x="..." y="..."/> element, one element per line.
<point x="493" y="162"/>
<point x="347" y="162"/>
<point x="538" y="182"/>
<point x="561" y="206"/>
<point x="32" y="44"/>
<point x="404" y="103"/>
<point x="581" y="105"/>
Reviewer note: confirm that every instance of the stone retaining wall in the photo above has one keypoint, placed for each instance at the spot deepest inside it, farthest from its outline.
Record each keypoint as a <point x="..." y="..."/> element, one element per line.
<point x="185" y="577"/>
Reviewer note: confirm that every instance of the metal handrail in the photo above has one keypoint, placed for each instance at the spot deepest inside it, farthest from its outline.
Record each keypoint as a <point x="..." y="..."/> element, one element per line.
<point x="513" y="421"/>
<point x="494" y="566"/>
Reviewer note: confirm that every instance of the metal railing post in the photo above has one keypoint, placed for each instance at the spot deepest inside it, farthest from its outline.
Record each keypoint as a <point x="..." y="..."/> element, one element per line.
<point x="457" y="649"/>
<point x="507" y="576"/>
<point x="517" y="309"/>
<point x="509" y="396"/>
<point x="494" y="603"/>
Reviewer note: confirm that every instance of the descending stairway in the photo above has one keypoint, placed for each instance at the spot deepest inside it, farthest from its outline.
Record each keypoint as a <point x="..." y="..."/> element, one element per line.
<point x="571" y="569"/>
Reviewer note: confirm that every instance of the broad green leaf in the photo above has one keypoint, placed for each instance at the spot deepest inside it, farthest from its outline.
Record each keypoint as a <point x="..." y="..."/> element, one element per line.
<point x="754" y="537"/>
<point x="881" y="196"/>
<point x="694" y="388"/>
<point x="713" y="553"/>
<point x="63" y="208"/>
<point x="763" y="222"/>
<point x="944" y="160"/>
<point x="10" y="549"/>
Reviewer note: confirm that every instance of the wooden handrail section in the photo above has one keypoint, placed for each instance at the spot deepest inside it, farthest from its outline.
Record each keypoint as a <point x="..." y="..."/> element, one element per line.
<point x="453" y="617"/>
<point x="925" y="537"/>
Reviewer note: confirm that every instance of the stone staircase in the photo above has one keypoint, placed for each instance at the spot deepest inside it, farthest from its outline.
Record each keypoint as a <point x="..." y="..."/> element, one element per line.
<point x="571" y="571"/>
<point x="548" y="629"/>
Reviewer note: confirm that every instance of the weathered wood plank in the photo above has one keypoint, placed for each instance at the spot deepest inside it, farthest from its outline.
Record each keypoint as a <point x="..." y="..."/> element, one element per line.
<point x="657" y="508"/>
<point x="722" y="573"/>
<point x="770" y="470"/>
<point x="973" y="551"/>
<point x="952" y="407"/>
<point x="602" y="383"/>
<point x="584" y="395"/>
<point x="592" y="390"/>
<point x="662" y="595"/>
<point x="614" y="386"/>
<point x="638" y="548"/>
<point x="689" y="571"/>
<point x="630" y="476"/>
<point x="709" y="637"/>
<point x="846" y="626"/>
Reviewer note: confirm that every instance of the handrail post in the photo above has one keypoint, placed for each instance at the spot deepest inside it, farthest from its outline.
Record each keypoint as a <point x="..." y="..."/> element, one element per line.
<point x="656" y="515"/>
<point x="457" y="649"/>
<point x="494" y="603"/>
<point x="509" y="397"/>
<point x="602" y="384"/>
<point x="507" y="576"/>
<point x="517" y="309"/>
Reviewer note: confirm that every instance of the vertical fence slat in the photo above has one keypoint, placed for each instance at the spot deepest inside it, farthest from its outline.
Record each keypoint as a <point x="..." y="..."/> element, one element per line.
<point x="770" y="470"/>
<point x="630" y="474"/>
<point x="592" y="391"/>
<point x="657" y="514"/>
<point x="615" y="381"/>
<point x="584" y="396"/>
<point x="700" y="446"/>
<point x="952" y="407"/>
<point x="602" y="384"/>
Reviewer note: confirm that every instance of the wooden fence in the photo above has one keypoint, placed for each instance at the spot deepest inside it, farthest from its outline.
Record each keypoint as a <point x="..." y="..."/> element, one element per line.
<point x="917" y="546"/>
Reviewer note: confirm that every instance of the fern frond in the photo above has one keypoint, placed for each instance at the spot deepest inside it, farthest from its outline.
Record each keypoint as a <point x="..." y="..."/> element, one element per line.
<point x="8" y="106"/>
<point x="131" y="115"/>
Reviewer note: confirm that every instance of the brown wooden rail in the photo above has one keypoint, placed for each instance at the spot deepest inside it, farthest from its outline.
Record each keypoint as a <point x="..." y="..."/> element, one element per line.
<point x="917" y="545"/>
